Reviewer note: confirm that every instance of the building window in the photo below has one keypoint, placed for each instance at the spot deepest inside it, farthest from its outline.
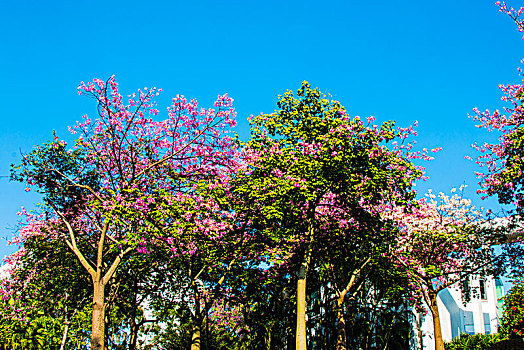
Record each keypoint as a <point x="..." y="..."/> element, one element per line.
<point x="469" y="327"/>
<point x="487" y="324"/>
<point x="482" y="285"/>
<point x="465" y="288"/>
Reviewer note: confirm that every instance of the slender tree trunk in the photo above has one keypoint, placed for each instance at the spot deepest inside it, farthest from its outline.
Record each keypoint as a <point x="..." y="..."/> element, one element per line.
<point x="195" y="338"/>
<point x="98" y="325"/>
<point x="301" y="338"/>
<point x="419" y="331"/>
<point x="341" y="324"/>
<point x="439" y="343"/>
<point x="134" y="335"/>
<point x="64" y="336"/>
<point x="66" y="329"/>
<point x="341" y="295"/>
<point x="267" y="339"/>
<point x="134" y="326"/>
<point x="301" y="341"/>
<point x="196" y="332"/>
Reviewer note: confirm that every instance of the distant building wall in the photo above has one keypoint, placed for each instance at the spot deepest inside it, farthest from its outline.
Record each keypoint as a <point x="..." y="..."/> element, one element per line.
<point x="480" y="315"/>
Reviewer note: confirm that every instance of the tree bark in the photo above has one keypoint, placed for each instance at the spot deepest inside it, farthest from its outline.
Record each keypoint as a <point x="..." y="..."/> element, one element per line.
<point x="64" y="336"/>
<point x="134" y="326"/>
<point x="66" y="329"/>
<point x="341" y="295"/>
<point x="195" y="337"/>
<point x="134" y="332"/>
<point x="301" y="342"/>
<point x="301" y="339"/>
<point x="437" y="330"/>
<point x="98" y="324"/>
<point x="196" y="332"/>
<point x="341" y="324"/>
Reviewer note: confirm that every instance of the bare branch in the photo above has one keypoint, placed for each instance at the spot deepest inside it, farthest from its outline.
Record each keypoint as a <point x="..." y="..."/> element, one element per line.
<point x="115" y="264"/>
<point x="72" y="245"/>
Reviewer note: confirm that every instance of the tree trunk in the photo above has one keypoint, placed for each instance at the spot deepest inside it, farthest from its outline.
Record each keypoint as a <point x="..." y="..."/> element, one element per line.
<point x="134" y="335"/>
<point x="267" y="339"/>
<point x="66" y="328"/>
<point x="98" y="325"/>
<point x="195" y="338"/>
<point x="134" y="326"/>
<point x="341" y="324"/>
<point x="301" y="340"/>
<point x="196" y="332"/>
<point x="437" y="330"/>
<point x="419" y="332"/>
<point x="64" y="336"/>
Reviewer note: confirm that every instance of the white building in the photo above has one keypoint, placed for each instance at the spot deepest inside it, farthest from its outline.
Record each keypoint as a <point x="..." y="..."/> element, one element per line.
<point x="480" y="315"/>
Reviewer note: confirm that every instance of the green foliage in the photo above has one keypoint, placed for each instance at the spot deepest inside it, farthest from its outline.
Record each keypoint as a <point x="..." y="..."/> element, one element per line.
<point x="176" y="333"/>
<point x="310" y="147"/>
<point x="512" y="325"/>
<point x="316" y="176"/>
<point x="54" y="170"/>
<point x="40" y="325"/>
<point x="43" y="333"/>
<point x="473" y="342"/>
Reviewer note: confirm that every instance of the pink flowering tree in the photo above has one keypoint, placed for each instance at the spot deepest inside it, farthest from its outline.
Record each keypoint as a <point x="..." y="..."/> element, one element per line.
<point x="101" y="190"/>
<point x="502" y="161"/>
<point x="209" y="244"/>
<point x="310" y="160"/>
<point x="441" y="242"/>
<point x="514" y="14"/>
<point x="44" y="284"/>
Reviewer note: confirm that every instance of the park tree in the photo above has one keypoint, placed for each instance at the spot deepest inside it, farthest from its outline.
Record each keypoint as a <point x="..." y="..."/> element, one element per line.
<point x="209" y="244"/>
<point x="357" y="262"/>
<point x="503" y="161"/>
<point x="512" y="325"/>
<point x="310" y="156"/>
<point x="441" y="242"/>
<point x="100" y="191"/>
<point x="47" y="280"/>
<point x="43" y="285"/>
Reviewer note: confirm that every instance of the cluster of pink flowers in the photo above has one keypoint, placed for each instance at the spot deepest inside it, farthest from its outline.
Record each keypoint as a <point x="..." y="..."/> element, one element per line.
<point x="497" y="157"/>
<point x="513" y="13"/>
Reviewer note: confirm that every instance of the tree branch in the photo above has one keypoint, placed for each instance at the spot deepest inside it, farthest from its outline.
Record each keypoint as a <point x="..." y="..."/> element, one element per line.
<point x="115" y="264"/>
<point x="72" y="245"/>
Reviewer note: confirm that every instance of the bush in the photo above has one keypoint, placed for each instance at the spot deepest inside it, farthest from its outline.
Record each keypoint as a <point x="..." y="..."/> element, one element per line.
<point x="512" y="325"/>
<point x="42" y="333"/>
<point x="473" y="342"/>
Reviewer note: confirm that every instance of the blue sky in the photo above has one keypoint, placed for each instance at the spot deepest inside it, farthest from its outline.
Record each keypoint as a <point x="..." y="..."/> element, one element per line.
<point x="404" y="60"/>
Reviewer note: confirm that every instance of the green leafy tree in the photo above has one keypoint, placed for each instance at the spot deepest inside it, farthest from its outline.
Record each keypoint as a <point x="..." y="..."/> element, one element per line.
<point x="310" y="156"/>
<point x="512" y="325"/>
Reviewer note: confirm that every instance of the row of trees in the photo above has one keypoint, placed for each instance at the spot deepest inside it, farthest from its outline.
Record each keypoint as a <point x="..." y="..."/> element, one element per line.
<point x="173" y="233"/>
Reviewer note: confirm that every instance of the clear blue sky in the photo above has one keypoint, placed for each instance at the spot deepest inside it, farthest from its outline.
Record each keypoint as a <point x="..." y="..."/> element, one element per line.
<point x="431" y="61"/>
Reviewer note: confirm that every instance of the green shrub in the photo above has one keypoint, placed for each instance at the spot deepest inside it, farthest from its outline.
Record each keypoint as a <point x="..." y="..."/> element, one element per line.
<point x="473" y="342"/>
<point x="42" y="333"/>
<point x="512" y="325"/>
